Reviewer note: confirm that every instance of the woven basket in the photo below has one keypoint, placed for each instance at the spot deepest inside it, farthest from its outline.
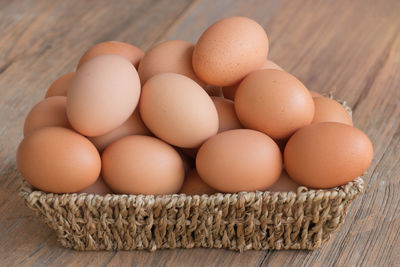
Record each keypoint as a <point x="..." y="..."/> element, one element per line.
<point x="241" y="221"/>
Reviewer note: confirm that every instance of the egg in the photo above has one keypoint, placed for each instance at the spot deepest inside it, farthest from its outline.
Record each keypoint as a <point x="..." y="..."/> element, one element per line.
<point x="327" y="109"/>
<point x="103" y="94"/>
<point x="239" y="160"/>
<point x="226" y="114"/>
<point x="58" y="160"/>
<point x="128" y="51"/>
<point x="98" y="188"/>
<point x="284" y="184"/>
<point x="230" y="49"/>
<point x="49" y="112"/>
<point x="194" y="185"/>
<point x="230" y="91"/>
<point x="177" y="110"/>
<point x="327" y="154"/>
<point x="132" y="126"/>
<point x="315" y="94"/>
<point x="170" y="56"/>
<point x="60" y="86"/>
<point x="145" y="165"/>
<point x="273" y="102"/>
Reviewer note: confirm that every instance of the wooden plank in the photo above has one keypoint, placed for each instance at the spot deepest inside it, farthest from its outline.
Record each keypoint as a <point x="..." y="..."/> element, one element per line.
<point x="45" y="40"/>
<point x="366" y="79"/>
<point x="352" y="47"/>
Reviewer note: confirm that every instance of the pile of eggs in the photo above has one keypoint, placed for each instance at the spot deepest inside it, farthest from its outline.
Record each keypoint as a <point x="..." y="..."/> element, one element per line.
<point x="215" y="116"/>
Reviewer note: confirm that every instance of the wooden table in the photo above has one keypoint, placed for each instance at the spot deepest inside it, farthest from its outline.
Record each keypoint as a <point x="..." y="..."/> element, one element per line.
<point x="350" y="48"/>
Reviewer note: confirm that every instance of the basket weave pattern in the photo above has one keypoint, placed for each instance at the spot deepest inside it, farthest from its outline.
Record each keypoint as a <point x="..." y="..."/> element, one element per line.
<point x="241" y="221"/>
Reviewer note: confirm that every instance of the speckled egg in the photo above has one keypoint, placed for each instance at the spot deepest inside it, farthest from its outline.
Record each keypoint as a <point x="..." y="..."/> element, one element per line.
<point x="230" y="49"/>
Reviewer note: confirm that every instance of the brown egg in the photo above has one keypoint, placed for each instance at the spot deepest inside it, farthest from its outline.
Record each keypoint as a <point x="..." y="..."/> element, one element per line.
<point x="98" y="188"/>
<point x="315" y="94"/>
<point x="284" y="184"/>
<point x="132" y="126"/>
<point x="145" y="165"/>
<point x="226" y="114"/>
<point x="177" y="110"/>
<point x="327" y="154"/>
<point x="194" y="185"/>
<point x="128" y="51"/>
<point x="230" y="49"/>
<point x="103" y="94"/>
<point x="48" y="112"/>
<point x="230" y="91"/>
<point x="269" y="64"/>
<point x="60" y="86"/>
<point x="170" y="56"/>
<point x="327" y="109"/>
<point x="58" y="160"/>
<point x="273" y="102"/>
<point x="239" y="160"/>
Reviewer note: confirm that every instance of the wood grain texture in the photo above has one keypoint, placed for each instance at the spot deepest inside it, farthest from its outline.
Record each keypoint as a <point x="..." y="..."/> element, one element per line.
<point x="349" y="47"/>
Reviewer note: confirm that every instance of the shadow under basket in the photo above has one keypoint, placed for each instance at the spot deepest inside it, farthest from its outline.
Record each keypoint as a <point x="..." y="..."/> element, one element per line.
<point x="240" y="221"/>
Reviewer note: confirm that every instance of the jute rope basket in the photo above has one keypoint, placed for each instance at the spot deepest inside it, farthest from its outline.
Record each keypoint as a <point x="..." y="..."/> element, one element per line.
<point x="240" y="221"/>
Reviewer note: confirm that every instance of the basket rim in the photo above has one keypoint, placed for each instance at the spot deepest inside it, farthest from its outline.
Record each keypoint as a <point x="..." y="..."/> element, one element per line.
<point x="303" y="194"/>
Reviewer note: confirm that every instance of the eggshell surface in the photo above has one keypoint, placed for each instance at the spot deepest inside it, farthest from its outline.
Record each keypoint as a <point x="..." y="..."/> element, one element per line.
<point x="284" y="184"/>
<point x="230" y="49"/>
<point x="142" y="165"/>
<point x="230" y="91"/>
<point x="60" y="86"/>
<point x="132" y="126"/>
<point x="58" y="160"/>
<point x="315" y="94"/>
<point x="48" y="112"/>
<point x="239" y="160"/>
<point x="98" y="188"/>
<point x="226" y="114"/>
<point x="327" y="154"/>
<point x="327" y="109"/>
<point x="194" y="185"/>
<point x="103" y="94"/>
<point x="128" y="51"/>
<point x="273" y="102"/>
<point x="171" y="56"/>
<point x="178" y="111"/>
